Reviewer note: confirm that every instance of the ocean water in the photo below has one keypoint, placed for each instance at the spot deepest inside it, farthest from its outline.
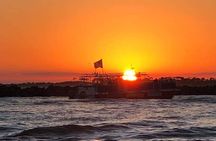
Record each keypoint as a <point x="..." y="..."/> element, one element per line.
<point x="63" y="119"/>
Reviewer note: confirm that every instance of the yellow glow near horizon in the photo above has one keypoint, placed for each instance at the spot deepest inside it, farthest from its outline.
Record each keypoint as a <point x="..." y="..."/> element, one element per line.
<point x="129" y="75"/>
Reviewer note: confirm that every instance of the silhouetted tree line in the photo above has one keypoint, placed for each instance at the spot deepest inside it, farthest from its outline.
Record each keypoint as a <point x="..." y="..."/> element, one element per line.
<point x="204" y="90"/>
<point x="16" y="91"/>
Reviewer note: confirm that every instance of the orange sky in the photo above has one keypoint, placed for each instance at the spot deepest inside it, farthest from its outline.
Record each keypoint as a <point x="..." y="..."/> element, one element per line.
<point x="64" y="36"/>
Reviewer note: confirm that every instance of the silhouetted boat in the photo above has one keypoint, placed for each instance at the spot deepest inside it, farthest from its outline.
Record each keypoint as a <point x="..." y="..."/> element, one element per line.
<point x="86" y="92"/>
<point x="115" y="88"/>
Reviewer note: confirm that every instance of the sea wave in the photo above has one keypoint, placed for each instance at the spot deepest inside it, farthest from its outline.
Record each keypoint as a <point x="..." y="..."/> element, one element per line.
<point x="194" y="99"/>
<point x="51" y="102"/>
<point x="178" y="133"/>
<point x="183" y="118"/>
<point x="69" y="130"/>
<point x="4" y="129"/>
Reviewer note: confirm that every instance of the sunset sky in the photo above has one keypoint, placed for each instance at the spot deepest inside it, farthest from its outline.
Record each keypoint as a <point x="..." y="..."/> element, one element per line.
<point x="49" y="40"/>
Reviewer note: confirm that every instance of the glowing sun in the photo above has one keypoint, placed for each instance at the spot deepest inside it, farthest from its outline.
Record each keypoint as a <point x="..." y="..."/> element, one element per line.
<point x="129" y="75"/>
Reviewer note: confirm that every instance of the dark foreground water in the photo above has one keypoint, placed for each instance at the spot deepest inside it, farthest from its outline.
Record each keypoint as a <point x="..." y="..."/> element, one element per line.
<point x="182" y="118"/>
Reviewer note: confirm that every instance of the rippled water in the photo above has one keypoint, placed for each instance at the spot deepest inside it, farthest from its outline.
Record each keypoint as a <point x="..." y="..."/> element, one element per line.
<point x="182" y="118"/>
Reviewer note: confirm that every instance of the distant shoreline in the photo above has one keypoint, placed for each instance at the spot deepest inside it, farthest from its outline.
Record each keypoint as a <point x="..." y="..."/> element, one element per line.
<point x="187" y="86"/>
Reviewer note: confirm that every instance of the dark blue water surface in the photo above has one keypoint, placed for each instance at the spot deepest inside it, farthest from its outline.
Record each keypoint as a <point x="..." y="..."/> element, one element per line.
<point x="52" y="118"/>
